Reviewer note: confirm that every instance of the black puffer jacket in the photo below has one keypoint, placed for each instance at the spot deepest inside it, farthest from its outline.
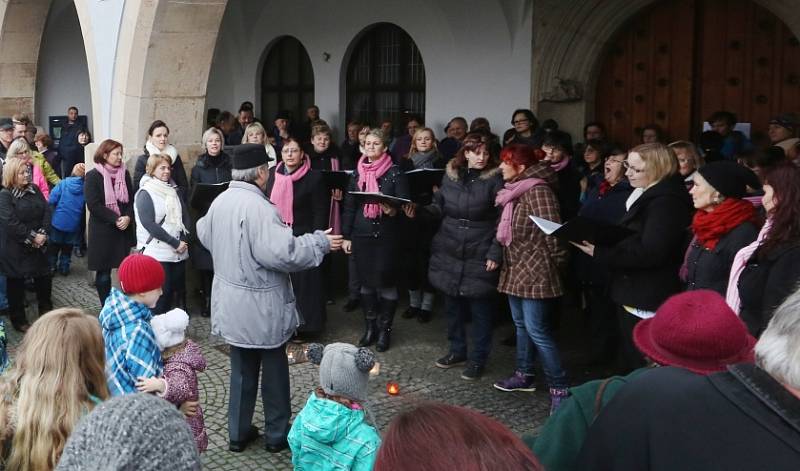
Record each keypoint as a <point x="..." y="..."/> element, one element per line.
<point x="645" y="265"/>
<point x="18" y="217"/>
<point x="710" y="269"/>
<point x="466" y="238"/>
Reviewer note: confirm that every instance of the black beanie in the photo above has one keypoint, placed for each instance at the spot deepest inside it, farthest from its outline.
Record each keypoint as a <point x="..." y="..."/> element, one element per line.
<point x="249" y="156"/>
<point x="729" y="178"/>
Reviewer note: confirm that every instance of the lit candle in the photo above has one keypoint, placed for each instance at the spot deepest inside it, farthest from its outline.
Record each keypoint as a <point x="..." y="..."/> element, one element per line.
<point x="392" y="388"/>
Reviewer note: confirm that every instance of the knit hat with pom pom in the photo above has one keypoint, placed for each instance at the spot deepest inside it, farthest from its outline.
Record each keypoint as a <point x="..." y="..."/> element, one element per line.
<point x="343" y="369"/>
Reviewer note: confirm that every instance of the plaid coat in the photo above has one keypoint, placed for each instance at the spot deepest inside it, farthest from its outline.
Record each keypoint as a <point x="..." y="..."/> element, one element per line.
<point x="131" y="349"/>
<point x="532" y="263"/>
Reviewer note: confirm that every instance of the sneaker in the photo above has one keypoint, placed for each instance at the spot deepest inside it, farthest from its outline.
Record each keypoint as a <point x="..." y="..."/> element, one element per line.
<point x="557" y="396"/>
<point x="518" y="382"/>
<point x="450" y="360"/>
<point x="472" y="372"/>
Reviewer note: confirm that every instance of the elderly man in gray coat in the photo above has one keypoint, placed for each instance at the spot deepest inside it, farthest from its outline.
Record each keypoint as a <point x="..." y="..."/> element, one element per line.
<point x="252" y="303"/>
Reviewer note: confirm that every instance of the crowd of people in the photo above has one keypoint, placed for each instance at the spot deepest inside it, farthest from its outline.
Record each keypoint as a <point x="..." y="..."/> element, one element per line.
<point x="683" y="255"/>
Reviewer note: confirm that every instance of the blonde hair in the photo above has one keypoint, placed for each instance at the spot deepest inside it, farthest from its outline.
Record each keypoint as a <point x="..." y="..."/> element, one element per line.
<point x="257" y="127"/>
<point x="207" y="135"/>
<point x="413" y="150"/>
<point x="59" y="367"/>
<point x="18" y="146"/>
<point x="155" y="160"/>
<point x="10" y="170"/>
<point x="659" y="160"/>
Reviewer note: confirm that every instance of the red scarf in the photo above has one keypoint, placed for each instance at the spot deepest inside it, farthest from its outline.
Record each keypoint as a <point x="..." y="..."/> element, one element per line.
<point x="709" y="227"/>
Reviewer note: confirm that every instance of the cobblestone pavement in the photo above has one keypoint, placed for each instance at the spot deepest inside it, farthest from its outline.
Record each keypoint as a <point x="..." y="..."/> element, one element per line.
<point x="409" y="362"/>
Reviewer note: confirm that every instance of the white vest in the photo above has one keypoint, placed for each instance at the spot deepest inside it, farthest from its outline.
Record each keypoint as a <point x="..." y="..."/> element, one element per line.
<point x="159" y="250"/>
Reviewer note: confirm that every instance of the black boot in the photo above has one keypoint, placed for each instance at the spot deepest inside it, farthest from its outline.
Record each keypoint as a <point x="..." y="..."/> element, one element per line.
<point x="385" y="319"/>
<point x="369" y="304"/>
<point x="18" y="319"/>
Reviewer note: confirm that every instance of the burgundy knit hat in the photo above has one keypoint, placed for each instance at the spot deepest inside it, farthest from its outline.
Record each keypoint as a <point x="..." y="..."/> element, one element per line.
<point x="695" y="330"/>
<point x="140" y="273"/>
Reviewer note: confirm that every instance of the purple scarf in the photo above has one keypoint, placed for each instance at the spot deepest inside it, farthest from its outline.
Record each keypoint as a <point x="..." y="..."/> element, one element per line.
<point x="368" y="175"/>
<point x="114" y="186"/>
<point x="739" y="262"/>
<point x="560" y="165"/>
<point x="283" y="189"/>
<point x="334" y="218"/>
<point x="506" y="198"/>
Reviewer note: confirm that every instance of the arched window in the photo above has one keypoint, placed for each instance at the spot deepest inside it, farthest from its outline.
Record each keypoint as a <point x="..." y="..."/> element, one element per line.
<point x="385" y="76"/>
<point x="287" y="80"/>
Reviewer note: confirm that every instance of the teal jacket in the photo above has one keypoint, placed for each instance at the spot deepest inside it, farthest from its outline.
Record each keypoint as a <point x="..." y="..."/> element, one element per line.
<point x="327" y="435"/>
<point x="562" y="436"/>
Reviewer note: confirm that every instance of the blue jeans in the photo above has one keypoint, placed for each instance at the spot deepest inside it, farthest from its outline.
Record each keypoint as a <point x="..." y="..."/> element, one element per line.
<point x="3" y="298"/>
<point x="481" y="310"/>
<point x="534" y="335"/>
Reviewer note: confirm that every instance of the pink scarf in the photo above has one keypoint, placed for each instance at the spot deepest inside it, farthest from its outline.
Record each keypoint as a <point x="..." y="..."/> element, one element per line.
<point x="560" y="165"/>
<point x="114" y="186"/>
<point x="506" y="198"/>
<point x="334" y="218"/>
<point x="283" y="189"/>
<point x="739" y="262"/>
<point x="368" y="175"/>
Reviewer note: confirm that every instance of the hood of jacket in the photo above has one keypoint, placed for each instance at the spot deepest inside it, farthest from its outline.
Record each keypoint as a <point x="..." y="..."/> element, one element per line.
<point x="191" y="355"/>
<point x="74" y="185"/>
<point x="456" y="173"/>
<point x="327" y="421"/>
<point x="120" y="310"/>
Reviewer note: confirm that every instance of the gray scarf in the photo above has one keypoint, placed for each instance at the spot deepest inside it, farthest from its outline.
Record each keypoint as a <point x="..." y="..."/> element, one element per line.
<point x="424" y="159"/>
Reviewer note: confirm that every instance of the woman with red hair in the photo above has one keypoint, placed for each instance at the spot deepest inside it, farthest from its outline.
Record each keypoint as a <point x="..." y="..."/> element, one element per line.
<point x="532" y="262"/>
<point x="443" y="437"/>
<point x="767" y="271"/>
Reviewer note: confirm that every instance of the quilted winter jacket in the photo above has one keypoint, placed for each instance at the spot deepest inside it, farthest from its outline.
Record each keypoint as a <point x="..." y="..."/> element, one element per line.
<point x="68" y="202"/>
<point x="328" y="436"/>
<point x="180" y="373"/>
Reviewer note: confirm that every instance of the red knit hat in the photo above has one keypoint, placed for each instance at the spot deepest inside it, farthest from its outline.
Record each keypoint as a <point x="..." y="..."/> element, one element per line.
<point x="140" y="273"/>
<point x="695" y="330"/>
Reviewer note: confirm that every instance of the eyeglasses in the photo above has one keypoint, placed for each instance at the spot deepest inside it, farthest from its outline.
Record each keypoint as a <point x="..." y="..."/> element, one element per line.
<point x="520" y="121"/>
<point x="617" y="162"/>
<point x="629" y="167"/>
<point x="289" y="151"/>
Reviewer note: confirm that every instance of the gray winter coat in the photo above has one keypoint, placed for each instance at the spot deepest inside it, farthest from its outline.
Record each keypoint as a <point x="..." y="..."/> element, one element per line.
<point x="252" y="301"/>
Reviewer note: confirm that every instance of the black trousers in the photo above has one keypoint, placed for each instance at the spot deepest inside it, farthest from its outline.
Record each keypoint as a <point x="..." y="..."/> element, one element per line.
<point x="16" y="297"/>
<point x="174" y="282"/>
<point x="275" y="394"/>
<point x="630" y="356"/>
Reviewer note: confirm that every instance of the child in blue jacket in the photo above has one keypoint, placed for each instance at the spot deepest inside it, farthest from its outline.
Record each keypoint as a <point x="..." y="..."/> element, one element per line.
<point x="68" y="206"/>
<point x="130" y="343"/>
<point x="331" y="432"/>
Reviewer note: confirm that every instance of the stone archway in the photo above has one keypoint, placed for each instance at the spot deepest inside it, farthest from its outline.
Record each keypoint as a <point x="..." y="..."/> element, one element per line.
<point x="22" y="24"/>
<point x="21" y="27"/>
<point x="164" y="56"/>
<point x="569" y="42"/>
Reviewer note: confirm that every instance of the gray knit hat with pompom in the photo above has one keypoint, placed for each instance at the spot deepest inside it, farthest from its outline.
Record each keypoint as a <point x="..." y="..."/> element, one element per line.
<point x="343" y="369"/>
<point x="134" y="431"/>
